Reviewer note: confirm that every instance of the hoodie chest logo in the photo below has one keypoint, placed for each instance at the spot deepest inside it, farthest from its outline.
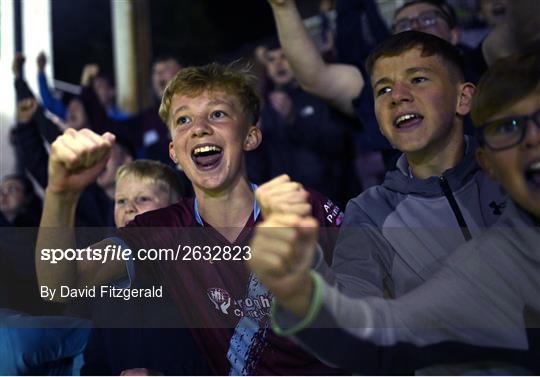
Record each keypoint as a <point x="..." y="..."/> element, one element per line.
<point x="497" y="207"/>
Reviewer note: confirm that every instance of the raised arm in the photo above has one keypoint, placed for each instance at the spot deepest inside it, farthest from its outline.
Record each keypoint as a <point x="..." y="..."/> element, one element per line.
<point x="26" y="137"/>
<point x="338" y="84"/>
<point x="52" y="104"/>
<point x="76" y="159"/>
<point x="129" y="129"/>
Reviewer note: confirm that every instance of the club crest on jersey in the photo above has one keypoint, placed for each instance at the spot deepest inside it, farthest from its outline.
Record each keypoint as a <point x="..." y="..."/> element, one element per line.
<point x="220" y="298"/>
<point x="256" y="307"/>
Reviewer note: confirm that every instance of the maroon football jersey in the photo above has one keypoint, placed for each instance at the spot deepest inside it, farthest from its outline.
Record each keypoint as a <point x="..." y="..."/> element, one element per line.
<point x="226" y="307"/>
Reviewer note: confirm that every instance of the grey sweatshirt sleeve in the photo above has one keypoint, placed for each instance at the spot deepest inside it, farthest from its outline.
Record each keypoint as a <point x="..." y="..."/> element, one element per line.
<point x="467" y="304"/>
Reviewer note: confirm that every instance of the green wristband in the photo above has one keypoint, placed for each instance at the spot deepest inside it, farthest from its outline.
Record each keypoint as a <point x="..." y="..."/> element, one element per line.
<point x="313" y="311"/>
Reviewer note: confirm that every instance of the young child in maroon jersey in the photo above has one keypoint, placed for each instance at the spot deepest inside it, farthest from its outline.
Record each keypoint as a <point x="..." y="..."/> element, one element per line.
<point x="211" y="112"/>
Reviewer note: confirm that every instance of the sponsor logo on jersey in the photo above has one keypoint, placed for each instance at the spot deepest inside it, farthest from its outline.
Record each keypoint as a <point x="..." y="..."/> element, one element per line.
<point x="333" y="214"/>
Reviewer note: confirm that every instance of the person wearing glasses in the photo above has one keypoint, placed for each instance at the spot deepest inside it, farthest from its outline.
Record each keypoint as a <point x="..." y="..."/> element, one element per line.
<point x="484" y="302"/>
<point x="437" y="17"/>
<point x="431" y="16"/>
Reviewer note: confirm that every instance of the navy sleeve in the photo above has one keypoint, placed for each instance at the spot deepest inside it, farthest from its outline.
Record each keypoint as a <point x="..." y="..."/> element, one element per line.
<point x="360" y="27"/>
<point x="26" y="138"/>
<point x="128" y="129"/>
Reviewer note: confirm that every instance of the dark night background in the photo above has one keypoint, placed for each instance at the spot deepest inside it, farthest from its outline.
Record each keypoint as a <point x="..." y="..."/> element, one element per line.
<point x="197" y="31"/>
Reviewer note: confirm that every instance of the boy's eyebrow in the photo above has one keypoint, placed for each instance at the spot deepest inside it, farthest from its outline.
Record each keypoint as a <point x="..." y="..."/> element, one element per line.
<point x="137" y="193"/>
<point x="384" y="80"/>
<point x="414" y="70"/>
<point x="181" y="108"/>
<point x="211" y="103"/>
<point x="408" y="72"/>
<point x="219" y="102"/>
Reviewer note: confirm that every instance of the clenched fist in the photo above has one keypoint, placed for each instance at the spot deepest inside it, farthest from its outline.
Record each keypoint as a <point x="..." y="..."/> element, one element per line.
<point x="89" y="72"/>
<point x="26" y="109"/>
<point x="77" y="158"/>
<point x="281" y="195"/>
<point x="41" y="61"/>
<point x="283" y="249"/>
<point x="18" y="64"/>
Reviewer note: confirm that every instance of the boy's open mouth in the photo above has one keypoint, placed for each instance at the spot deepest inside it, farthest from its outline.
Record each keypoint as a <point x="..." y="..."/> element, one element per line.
<point x="207" y="156"/>
<point x="532" y="176"/>
<point x="408" y="120"/>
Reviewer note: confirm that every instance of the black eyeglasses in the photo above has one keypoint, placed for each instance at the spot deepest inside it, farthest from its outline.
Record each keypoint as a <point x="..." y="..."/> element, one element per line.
<point x="424" y="20"/>
<point x="507" y="132"/>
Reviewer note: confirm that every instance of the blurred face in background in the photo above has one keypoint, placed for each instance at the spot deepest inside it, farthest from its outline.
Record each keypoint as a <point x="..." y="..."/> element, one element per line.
<point x="76" y="115"/>
<point x="277" y="67"/>
<point x="426" y="18"/>
<point x="493" y="11"/>
<point x="105" y="91"/>
<point x="162" y="73"/>
<point x="326" y="5"/>
<point x="12" y="197"/>
<point x="523" y="20"/>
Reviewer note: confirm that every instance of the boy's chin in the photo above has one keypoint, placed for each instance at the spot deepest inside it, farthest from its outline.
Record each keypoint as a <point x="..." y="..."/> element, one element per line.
<point x="209" y="183"/>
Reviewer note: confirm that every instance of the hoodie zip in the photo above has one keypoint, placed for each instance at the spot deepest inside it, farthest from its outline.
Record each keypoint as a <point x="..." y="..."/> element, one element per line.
<point x="455" y="207"/>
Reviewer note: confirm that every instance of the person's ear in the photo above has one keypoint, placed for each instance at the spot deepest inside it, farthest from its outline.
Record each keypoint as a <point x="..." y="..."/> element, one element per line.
<point x="172" y="153"/>
<point x="253" y="138"/>
<point x="466" y="93"/>
<point x="484" y="162"/>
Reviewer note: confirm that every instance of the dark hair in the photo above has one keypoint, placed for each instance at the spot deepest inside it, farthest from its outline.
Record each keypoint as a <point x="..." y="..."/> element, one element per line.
<point x="271" y="43"/>
<point x="31" y="212"/>
<point x="67" y="97"/>
<point x="24" y="180"/>
<point x="445" y="8"/>
<point x="430" y="45"/>
<point x="106" y="76"/>
<point x="85" y="105"/>
<point x="506" y="82"/>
